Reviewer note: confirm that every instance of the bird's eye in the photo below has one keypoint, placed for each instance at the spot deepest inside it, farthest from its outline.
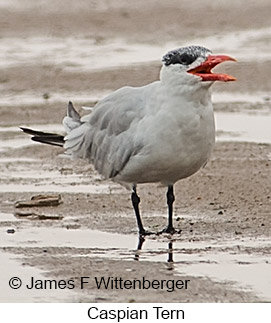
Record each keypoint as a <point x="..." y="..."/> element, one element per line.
<point x="186" y="59"/>
<point x="177" y="58"/>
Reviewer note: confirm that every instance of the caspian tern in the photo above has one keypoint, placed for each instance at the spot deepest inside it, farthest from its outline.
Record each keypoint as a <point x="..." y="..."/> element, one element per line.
<point x="161" y="132"/>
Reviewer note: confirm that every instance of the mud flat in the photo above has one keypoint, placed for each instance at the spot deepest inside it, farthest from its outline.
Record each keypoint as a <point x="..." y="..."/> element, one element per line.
<point x="223" y="211"/>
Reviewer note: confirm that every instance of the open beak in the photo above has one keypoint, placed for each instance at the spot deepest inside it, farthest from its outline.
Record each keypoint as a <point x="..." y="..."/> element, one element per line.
<point x="204" y="70"/>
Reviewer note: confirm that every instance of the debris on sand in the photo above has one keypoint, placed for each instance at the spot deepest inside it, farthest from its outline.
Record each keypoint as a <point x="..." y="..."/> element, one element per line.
<point x="36" y="216"/>
<point x="40" y="200"/>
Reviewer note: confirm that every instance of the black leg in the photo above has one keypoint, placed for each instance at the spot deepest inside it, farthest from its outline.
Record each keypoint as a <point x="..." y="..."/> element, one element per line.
<point x="136" y="200"/>
<point x="170" y="201"/>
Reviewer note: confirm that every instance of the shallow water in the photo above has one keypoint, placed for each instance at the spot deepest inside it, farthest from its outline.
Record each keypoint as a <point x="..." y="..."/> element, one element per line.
<point x="53" y="188"/>
<point x="221" y="261"/>
<point x="29" y="98"/>
<point x="259" y="97"/>
<point x="243" y="127"/>
<point x="14" y="268"/>
<point x="29" y="175"/>
<point x="77" y="97"/>
<point x="86" y="54"/>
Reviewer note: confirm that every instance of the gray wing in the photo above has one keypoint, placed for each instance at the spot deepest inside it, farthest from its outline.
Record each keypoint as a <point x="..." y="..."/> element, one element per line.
<point x="105" y="136"/>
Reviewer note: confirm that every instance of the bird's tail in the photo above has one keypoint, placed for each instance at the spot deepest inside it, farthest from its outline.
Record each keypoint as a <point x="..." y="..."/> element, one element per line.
<point x="45" y="137"/>
<point x="70" y="122"/>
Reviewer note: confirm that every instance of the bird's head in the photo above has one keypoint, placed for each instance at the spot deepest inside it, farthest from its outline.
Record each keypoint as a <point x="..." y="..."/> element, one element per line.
<point x="194" y="64"/>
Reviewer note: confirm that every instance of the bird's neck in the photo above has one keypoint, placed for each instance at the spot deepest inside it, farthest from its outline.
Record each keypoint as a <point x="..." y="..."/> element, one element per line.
<point x="186" y="89"/>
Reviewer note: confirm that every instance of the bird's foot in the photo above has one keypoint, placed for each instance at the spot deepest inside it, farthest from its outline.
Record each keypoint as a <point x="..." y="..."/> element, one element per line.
<point x="170" y="230"/>
<point x="143" y="233"/>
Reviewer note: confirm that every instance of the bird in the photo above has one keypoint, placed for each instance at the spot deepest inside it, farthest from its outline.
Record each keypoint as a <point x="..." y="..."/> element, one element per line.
<point x="161" y="132"/>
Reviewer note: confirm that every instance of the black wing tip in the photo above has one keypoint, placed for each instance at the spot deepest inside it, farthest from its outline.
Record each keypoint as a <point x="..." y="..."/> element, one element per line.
<point x="45" y="137"/>
<point x="48" y="141"/>
<point x="28" y="131"/>
<point x="24" y="129"/>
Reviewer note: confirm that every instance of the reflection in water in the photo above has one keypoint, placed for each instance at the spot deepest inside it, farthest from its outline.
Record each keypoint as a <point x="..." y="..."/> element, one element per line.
<point x="141" y="241"/>
<point x="218" y="259"/>
<point x="170" y="251"/>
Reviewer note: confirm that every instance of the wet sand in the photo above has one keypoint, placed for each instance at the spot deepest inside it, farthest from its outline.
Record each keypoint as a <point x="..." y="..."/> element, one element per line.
<point x="223" y="210"/>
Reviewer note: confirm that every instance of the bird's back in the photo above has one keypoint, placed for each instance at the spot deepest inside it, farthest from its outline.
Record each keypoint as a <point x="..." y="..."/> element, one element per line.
<point x="105" y="137"/>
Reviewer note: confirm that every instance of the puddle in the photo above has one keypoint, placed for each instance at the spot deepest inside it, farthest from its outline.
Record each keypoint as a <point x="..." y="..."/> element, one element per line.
<point x="230" y="97"/>
<point x="241" y="43"/>
<point x="45" y="127"/>
<point x="76" y="53"/>
<point x="52" y="188"/>
<point x="29" y="98"/>
<point x="14" y="268"/>
<point x="221" y="261"/>
<point x="17" y="139"/>
<point x="77" y="98"/>
<point x="9" y="144"/>
<point x="250" y="272"/>
<point x="243" y="127"/>
<point x="7" y="217"/>
<point x="32" y="175"/>
<point x="86" y="54"/>
<point x="51" y="181"/>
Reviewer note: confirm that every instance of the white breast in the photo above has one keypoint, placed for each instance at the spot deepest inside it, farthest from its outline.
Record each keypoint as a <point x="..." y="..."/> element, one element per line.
<point x="178" y="136"/>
